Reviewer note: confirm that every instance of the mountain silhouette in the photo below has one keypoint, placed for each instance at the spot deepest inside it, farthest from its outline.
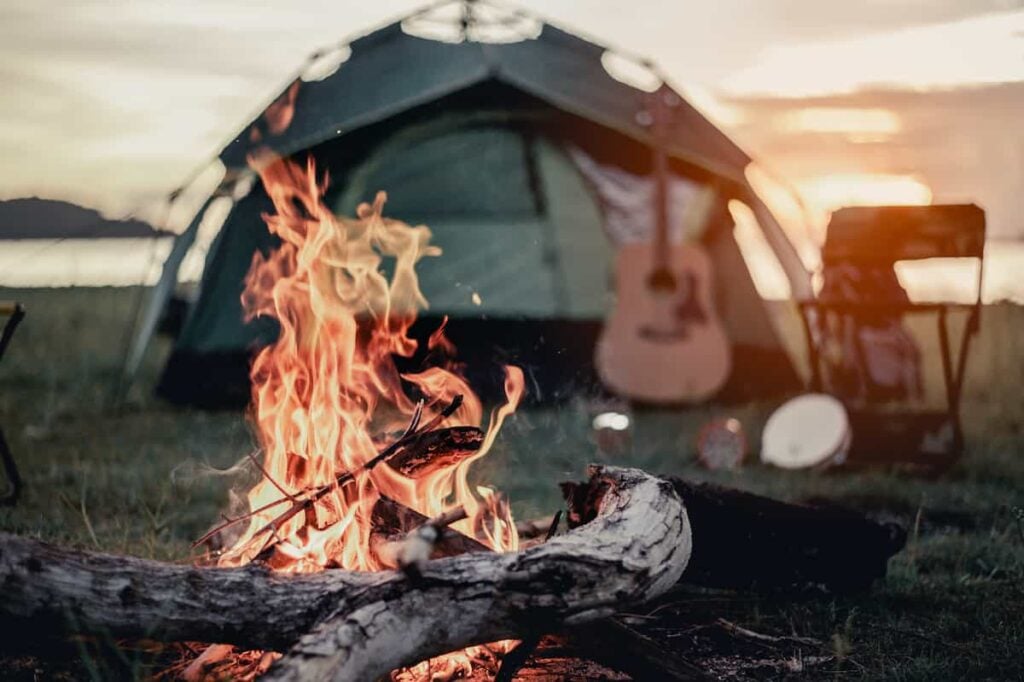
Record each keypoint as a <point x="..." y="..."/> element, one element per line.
<point x="35" y="218"/>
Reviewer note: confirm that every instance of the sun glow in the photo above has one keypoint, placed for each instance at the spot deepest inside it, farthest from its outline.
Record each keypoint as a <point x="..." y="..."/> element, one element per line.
<point x="975" y="50"/>
<point x="859" y="125"/>
<point x="829" y="192"/>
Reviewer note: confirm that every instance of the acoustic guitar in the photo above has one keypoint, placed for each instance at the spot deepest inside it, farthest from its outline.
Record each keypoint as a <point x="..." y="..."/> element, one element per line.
<point x="663" y="342"/>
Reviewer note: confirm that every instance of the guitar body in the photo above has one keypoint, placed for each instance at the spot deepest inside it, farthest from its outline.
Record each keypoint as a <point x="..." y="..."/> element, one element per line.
<point x="663" y="344"/>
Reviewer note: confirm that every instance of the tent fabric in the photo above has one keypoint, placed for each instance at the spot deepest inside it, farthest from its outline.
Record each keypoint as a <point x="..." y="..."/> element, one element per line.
<point x="389" y="72"/>
<point x="490" y="213"/>
<point x="485" y="145"/>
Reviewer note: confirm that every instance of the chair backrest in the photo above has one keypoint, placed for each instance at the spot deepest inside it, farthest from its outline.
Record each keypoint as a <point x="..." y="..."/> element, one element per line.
<point x="881" y="235"/>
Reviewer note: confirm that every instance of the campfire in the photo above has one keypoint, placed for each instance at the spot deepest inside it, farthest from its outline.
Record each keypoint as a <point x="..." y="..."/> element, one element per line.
<point x="362" y="468"/>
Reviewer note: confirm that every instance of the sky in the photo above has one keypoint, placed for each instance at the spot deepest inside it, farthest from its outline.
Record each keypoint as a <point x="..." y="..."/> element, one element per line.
<point x="112" y="103"/>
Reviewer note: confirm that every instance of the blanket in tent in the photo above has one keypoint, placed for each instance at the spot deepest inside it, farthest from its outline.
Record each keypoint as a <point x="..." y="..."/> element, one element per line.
<point x="627" y="201"/>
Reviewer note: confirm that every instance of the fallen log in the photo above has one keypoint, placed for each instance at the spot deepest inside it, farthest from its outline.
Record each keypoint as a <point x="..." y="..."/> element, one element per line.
<point x="743" y="540"/>
<point x="352" y="626"/>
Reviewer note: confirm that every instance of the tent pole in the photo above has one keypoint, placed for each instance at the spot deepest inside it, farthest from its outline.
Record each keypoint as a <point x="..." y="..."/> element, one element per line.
<point x="158" y="300"/>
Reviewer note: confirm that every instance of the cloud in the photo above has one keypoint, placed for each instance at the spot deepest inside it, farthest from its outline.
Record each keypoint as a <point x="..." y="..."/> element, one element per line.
<point x="964" y="143"/>
<point x="971" y="51"/>
<point x="109" y="101"/>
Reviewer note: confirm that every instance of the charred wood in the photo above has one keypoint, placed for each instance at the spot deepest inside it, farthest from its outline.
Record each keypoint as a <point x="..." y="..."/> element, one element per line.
<point x="439" y="448"/>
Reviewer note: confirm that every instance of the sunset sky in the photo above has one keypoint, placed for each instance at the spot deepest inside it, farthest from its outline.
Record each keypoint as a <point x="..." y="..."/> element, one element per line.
<point x="113" y="102"/>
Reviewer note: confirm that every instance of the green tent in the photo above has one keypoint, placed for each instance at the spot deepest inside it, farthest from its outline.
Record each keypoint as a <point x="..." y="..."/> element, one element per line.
<point x="485" y="143"/>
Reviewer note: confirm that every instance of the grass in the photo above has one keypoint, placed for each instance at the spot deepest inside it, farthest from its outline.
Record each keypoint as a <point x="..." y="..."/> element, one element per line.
<point x="149" y="478"/>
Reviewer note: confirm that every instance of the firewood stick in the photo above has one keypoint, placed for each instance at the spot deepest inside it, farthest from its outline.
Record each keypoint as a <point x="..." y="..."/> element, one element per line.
<point x="419" y="543"/>
<point x="393" y="522"/>
<point x="409" y="455"/>
<point x="741" y="631"/>
<point x="612" y="643"/>
<point x="440" y="448"/>
<point x="347" y="477"/>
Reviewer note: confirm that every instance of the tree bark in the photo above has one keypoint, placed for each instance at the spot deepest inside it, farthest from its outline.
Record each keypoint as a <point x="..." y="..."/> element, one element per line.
<point x="50" y="590"/>
<point x="363" y="625"/>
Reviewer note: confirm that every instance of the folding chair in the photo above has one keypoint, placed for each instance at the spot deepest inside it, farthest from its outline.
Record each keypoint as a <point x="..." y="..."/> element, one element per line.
<point x="14" y="313"/>
<point x="875" y="239"/>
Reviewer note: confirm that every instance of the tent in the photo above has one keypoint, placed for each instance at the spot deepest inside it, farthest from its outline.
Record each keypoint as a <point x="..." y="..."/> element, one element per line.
<point x="528" y="161"/>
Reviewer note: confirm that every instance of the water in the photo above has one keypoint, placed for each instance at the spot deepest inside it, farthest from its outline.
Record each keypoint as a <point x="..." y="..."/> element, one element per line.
<point x="125" y="262"/>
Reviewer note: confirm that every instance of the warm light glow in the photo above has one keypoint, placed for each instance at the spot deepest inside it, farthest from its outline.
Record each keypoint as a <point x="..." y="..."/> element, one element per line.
<point x="829" y="192"/>
<point x="858" y="124"/>
<point x="975" y="50"/>
<point x="716" y="108"/>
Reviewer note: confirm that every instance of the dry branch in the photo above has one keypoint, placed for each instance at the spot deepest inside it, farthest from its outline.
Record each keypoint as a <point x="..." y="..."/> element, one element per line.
<point x="408" y="453"/>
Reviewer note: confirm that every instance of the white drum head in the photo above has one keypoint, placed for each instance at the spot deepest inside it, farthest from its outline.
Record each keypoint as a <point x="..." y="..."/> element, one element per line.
<point x="807" y="431"/>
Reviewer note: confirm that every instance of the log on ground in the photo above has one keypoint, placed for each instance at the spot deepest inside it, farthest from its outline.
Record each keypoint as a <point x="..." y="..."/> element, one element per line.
<point x="363" y="625"/>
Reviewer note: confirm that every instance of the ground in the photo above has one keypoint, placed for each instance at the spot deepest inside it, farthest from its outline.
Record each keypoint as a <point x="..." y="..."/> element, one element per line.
<point x="147" y="478"/>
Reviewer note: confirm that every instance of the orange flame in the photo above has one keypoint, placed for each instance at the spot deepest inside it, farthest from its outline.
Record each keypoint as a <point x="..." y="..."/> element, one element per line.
<point x="328" y="387"/>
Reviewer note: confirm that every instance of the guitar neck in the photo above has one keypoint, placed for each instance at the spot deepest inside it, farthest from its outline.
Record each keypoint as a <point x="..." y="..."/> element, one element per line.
<point x="660" y="243"/>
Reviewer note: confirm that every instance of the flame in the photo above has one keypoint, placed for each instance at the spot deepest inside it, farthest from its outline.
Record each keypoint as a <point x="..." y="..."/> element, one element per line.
<point x="326" y="394"/>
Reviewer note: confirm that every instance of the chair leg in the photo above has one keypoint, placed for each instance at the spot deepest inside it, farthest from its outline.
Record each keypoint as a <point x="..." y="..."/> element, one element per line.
<point x="9" y="498"/>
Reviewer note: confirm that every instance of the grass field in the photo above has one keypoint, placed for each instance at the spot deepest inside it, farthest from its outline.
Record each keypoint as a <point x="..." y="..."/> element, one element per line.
<point x="147" y="479"/>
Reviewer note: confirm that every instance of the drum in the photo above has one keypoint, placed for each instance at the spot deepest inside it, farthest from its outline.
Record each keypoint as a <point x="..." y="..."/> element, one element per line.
<point x="809" y="431"/>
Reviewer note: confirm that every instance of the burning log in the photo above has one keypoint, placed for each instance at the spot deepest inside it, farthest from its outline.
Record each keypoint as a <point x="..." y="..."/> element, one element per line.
<point x="345" y="625"/>
<point x="438" y="448"/>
